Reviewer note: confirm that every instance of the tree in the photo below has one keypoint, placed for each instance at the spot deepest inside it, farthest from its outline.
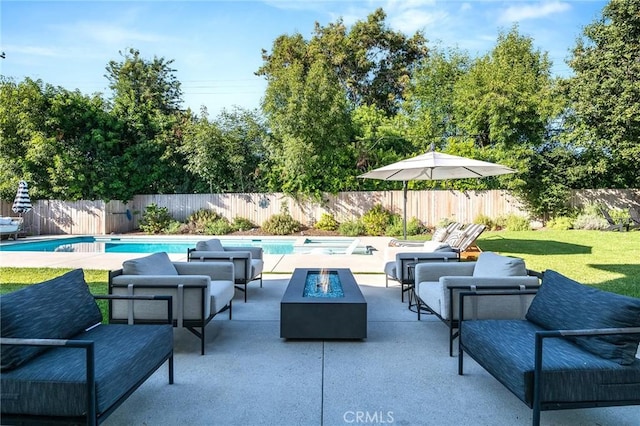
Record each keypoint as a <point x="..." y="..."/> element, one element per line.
<point x="603" y="95"/>
<point x="147" y="99"/>
<point x="23" y="141"/>
<point x="308" y="115"/>
<point x="226" y="153"/>
<point x="373" y="63"/>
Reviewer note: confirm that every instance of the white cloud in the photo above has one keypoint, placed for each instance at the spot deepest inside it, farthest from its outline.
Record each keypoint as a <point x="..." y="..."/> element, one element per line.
<point x="519" y="13"/>
<point x="110" y="34"/>
<point x="412" y="20"/>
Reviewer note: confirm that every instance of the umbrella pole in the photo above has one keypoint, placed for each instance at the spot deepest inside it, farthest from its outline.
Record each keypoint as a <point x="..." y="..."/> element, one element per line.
<point x="404" y="219"/>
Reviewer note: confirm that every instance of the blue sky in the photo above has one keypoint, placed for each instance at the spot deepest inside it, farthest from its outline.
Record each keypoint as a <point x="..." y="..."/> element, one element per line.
<point x="216" y="45"/>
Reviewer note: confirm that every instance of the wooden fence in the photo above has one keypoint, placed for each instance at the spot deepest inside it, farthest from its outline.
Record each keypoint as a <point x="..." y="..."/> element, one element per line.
<point x="115" y="217"/>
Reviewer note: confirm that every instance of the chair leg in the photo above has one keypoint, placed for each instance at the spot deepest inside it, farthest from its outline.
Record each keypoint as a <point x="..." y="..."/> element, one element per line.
<point x="202" y="341"/>
<point x="230" y="308"/>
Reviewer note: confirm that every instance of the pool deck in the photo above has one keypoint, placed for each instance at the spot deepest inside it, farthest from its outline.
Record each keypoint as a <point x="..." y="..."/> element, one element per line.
<point x="400" y="374"/>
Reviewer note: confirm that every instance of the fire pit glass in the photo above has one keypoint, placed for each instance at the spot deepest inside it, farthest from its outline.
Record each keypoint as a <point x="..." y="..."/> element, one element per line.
<point x="323" y="284"/>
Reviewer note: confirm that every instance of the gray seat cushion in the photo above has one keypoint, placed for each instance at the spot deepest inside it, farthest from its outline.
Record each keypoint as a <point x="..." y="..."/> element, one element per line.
<point x="124" y="355"/>
<point x="562" y="303"/>
<point x="505" y="348"/>
<point x="56" y="309"/>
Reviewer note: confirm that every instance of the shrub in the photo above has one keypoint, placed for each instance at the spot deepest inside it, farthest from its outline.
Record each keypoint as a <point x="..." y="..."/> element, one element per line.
<point x="376" y="220"/>
<point x="560" y="223"/>
<point x="517" y="223"/>
<point x="281" y="224"/>
<point x="219" y="226"/>
<point x="176" y="227"/>
<point x="155" y="219"/>
<point x="242" y="224"/>
<point x="327" y="223"/>
<point x="414" y="227"/>
<point x="590" y="221"/>
<point x="352" y="228"/>
<point x="200" y="220"/>
<point x="485" y="220"/>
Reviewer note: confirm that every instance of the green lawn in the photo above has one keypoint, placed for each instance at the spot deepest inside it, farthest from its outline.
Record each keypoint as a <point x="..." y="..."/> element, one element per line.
<point x="608" y="260"/>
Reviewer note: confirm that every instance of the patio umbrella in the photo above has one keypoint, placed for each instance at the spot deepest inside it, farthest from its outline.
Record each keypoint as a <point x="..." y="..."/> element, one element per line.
<point x="22" y="202"/>
<point x="434" y="166"/>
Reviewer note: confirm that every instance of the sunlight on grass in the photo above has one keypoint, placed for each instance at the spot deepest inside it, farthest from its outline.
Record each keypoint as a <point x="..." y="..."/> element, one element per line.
<point x="609" y="260"/>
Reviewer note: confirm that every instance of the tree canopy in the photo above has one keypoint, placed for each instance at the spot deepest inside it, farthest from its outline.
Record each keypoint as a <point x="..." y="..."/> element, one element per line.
<point x="344" y="101"/>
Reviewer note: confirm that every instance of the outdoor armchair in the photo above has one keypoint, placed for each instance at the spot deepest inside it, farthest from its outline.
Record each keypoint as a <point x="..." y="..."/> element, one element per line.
<point x="248" y="261"/>
<point x="199" y="291"/>
<point x="437" y="286"/>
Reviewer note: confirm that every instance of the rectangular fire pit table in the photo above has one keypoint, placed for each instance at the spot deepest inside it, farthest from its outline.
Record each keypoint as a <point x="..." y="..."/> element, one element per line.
<point x="323" y="304"/>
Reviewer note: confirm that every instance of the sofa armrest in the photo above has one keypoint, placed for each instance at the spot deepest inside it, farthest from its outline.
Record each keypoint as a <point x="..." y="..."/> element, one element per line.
<point x="432" y="271"/>
<point x="541" y="335"/>
<point x="168" y="299"/>
<point x="223" y="271"/>
<point x="86" y="345"/>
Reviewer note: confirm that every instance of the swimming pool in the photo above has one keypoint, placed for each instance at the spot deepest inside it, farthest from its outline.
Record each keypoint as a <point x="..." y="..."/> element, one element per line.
<point x="170" y="245"/>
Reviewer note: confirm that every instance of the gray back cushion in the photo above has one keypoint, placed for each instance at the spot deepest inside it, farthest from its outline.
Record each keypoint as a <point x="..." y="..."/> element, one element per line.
<point x="56" y="309"/>
<point x="494" y="265"/>
<point x="155" y="264"/>
<point x="562" y="303"/>
<point x="213" y="244"/>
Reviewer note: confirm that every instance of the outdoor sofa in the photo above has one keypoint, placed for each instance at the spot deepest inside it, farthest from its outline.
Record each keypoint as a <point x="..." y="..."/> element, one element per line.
<point x="576" y="348"/>
<point x="61" y="364"/>
<point x="199" y="291"/>
<point x="438" y="284"/>
<point x="248" y="261"/>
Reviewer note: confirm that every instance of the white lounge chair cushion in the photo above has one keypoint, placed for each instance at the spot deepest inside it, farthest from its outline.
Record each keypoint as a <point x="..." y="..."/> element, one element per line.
<point x="155" y="264"/>
<point x="434" y="246"/>
<point x="490" y="264"/>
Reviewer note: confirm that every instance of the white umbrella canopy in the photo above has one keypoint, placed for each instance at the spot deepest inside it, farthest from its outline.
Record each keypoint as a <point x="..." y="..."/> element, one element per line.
<point x="435" y="165"/>
<point x="22" y="202"/>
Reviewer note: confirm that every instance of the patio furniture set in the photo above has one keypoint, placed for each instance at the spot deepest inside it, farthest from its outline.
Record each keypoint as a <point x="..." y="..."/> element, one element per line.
<point x="555" y="344"/>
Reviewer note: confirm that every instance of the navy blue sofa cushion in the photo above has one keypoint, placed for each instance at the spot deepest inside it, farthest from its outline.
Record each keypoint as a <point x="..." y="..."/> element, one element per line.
<point x="124" y="356"/>
<point x="56" y="309"/>
<point x="564" y="304"/>
<point x="506" y="349"/>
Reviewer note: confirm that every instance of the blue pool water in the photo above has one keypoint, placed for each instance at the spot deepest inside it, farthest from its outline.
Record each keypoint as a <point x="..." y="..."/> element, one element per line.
<point x="125" y="245"/>
<point x="168" y="245"/>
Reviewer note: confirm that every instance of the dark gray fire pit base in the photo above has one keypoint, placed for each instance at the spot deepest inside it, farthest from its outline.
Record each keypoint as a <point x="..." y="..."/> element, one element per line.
<point x="319" y="317"/>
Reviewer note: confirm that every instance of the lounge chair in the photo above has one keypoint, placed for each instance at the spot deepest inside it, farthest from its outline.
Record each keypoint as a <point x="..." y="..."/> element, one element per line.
<point x="613" y="225"/>
<point x="10" y="226"/>
<point x="634" y="218"/>
<point x="439" y="235"/>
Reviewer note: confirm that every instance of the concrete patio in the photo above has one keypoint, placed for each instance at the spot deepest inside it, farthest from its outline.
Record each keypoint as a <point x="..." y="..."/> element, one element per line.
<point x="401" y="374"/>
